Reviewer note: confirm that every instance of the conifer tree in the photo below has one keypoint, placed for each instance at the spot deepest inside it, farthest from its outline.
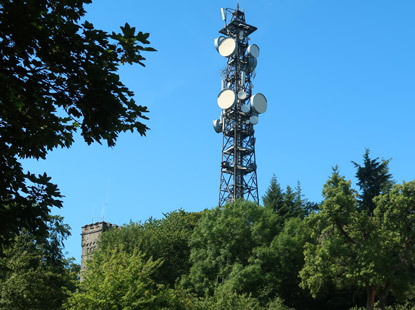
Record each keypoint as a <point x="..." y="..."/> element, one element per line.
<point x="374" y="180"/>
<point x="273" y="197"/>
<point x="287" y="204"/>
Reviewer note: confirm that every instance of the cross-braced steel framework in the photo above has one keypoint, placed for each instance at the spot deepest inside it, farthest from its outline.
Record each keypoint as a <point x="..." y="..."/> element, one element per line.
<point x="238" y="177"/>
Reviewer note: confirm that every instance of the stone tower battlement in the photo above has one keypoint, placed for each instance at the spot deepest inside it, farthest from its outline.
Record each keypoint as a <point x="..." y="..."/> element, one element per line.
<point x="90" y="236"/>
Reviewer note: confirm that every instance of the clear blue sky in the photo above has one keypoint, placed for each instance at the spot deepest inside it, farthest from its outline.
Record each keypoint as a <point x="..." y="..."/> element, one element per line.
<point x="339" y="76"/>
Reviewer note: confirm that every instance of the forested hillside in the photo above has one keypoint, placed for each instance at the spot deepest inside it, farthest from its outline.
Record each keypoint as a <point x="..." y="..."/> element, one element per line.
<point x="353" y="249"/>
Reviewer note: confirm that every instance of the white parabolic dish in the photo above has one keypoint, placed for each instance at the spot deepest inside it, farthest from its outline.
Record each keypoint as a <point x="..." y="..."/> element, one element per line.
<point x="253" y="50"/>
<point x="226" y="99"/>
<point x="227" y="47"/>
<point x="259" y="103"/>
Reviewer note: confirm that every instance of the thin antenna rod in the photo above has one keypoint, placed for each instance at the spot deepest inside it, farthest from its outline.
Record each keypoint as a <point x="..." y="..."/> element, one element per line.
<point x="93" y="211"/>
<point x="106" y="201"/>
<point x="102" y="212"/>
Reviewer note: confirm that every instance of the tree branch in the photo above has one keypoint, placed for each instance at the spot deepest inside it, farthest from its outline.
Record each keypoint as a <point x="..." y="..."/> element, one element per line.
<point x="343" y="232"/>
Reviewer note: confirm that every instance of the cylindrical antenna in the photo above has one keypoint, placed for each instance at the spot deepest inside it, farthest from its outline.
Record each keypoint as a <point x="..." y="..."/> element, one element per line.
<point x="242" y="78"/>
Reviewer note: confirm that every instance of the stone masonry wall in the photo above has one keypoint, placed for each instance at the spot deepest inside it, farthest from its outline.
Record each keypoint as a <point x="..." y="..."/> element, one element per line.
<point x="90" y="236"/>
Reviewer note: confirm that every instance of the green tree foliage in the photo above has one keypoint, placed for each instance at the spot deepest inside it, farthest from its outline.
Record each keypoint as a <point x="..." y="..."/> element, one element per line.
<point x="395" y="217"/>
<point x="223" y="299"/>
<point x="277" y="304"/>
<point x="244" y="256"/>
<point x="274" y="196"/>
<point x="33" y="272"/>
<point x="166" y="239"/>
<point x="279" y="265"/>
<point x="287" y="204"/>
<point x="117" y="279"/>
<point x="355" y="249"/>
<point x="240" y="248"/>
<point x="330" y="253"/>
<point x="373" y="179"/>
<point x="56" y="76"/>
<point x="223" y="242"/>
<point x="407" y="305"/>
<point x="227" y="300"/>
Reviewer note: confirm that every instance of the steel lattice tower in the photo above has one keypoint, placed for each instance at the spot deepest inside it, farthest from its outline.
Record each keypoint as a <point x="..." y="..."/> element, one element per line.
<point x="240" y="109"/>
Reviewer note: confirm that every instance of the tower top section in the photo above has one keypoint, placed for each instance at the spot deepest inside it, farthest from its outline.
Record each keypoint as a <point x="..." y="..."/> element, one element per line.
<point x="98" y="226"/>
<point x="237" y="23"/>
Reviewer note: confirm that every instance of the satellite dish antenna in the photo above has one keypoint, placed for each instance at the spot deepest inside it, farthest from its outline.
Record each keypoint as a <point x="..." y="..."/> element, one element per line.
<point x="252" y="62"/>
<point x="245" y="108"/>
<point x="227" y="47"/>
<point x="259" y="103"/>
<point x="242" y="95"/>
<point x="226" y="99"/>
<point x="217" y="125"/>
<point x="253" y="119"/>
<point x="217" y="42"/>
<point x="223" y="14"/>
<point x="253" y="50"/>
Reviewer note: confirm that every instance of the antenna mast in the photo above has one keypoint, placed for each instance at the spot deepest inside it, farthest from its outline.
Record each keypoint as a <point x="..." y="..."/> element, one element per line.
<point x="240" y="110"/>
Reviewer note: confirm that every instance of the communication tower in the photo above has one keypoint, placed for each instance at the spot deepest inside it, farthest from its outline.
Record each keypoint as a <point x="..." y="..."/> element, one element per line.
<point x="240" y="109"/>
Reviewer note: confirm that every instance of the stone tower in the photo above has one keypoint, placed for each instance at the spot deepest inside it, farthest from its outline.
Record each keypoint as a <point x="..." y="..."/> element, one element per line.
<point x="90" y="236"/>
